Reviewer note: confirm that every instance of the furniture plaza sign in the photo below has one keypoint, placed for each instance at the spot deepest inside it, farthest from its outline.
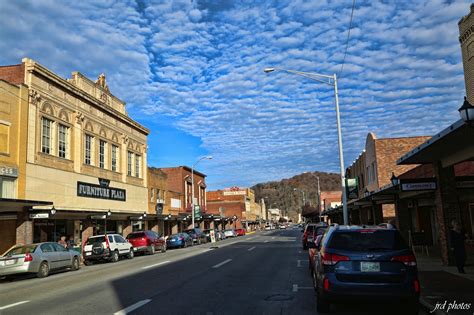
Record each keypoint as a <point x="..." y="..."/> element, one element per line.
<point x="102" y="191"/>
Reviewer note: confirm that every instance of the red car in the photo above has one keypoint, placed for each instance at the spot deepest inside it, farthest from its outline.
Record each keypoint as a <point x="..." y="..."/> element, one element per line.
<point x="240" y="232"/>
<point x="146" y="242"/>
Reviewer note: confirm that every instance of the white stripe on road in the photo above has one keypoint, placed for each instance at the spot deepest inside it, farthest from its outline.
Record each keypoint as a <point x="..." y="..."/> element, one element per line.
<point x="251" y="249"/>
<point x="250" y="238"/>
<point x="299" y="263"/>
<point x="273" y="237"/>
<point x="266" y="241"/>
<point x="156" y="265"/>
<point x="12" y="305"/>
<point x="222" y="263"/>
<point x="133" y="307"/>
<point x="295" y="288"/>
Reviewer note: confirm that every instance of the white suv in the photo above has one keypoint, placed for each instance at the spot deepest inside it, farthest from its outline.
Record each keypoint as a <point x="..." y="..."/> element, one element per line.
<point x="106" y="247"/>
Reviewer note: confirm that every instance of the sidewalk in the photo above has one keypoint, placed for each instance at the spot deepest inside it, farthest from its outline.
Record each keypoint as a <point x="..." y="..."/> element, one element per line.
<point x="445" y="287"/>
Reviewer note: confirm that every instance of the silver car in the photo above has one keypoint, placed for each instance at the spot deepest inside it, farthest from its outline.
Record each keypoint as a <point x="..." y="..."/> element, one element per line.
<point x="38" y="258"/>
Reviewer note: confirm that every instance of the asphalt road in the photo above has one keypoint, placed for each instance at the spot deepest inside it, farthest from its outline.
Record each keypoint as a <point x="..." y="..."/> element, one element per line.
<point x="263" y="273"/>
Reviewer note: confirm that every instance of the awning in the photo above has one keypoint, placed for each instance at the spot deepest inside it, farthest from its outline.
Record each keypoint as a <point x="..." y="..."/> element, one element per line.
<point x="17" y="205"/>
<point x="451" y="146"/>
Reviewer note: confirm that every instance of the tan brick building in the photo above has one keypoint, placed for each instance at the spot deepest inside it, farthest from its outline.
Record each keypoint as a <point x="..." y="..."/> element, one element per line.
<point x="83" y="153"/>
<point x="466" y="39"/>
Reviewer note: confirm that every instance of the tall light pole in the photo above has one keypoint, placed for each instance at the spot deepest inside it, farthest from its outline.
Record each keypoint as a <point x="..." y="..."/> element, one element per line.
<point x="304" y="199"/>
<point x="332" y="81"/>
<point x="209" y="157"/>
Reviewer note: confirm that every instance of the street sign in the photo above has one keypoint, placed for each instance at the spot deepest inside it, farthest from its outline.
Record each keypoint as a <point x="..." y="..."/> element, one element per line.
<point x="352" y="188"/>
<point x="213" y="236"/>
<point x="39" y="215"/>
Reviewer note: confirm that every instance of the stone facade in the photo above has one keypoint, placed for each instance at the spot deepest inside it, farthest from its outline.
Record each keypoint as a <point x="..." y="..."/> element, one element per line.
<point x="466" y="39"/>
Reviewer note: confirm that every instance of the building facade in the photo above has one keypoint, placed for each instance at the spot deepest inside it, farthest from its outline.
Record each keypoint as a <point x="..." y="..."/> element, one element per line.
<point x="83" y="153"/>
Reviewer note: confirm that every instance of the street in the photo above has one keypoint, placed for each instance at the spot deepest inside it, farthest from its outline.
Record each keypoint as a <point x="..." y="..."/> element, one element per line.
<point x="263" y="273"/>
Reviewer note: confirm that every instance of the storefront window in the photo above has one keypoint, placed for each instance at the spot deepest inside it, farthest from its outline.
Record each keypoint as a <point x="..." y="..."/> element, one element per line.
<point x="7" y="187"/>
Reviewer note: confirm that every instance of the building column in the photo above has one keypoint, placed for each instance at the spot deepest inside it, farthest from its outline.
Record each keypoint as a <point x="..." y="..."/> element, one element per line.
<point x="447" y="208"/>
<point x="127" y="228"/>
<point x="87" y="230"/>
<point x="24" y="228"/>
<point x="403" y="217"/>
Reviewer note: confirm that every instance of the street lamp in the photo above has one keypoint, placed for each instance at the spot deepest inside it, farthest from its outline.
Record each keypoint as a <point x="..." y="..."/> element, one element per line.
<point x="394" y="179"/>
<point x="209" y="157"/>
<point x="467" y="112"/>
<point x="329" y="80"/>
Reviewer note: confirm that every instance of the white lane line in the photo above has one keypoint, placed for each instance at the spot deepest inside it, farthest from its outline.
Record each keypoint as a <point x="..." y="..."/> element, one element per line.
<point x="250" y="238"/>
<point x="156" y="265"/>
<point x="295" y="288"/>
<point x="299" y="263"/>
<point x="133" y="307"/>
<point x="222" y="263"/>
<point x="251" y="249"/>
<point x="273" y="237"/>
<point x="266" y="241"/>
<point x="12" y="305"/>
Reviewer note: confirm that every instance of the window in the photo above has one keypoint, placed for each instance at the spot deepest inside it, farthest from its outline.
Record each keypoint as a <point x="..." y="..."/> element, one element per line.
<point x="129" y="163"/>
<point x="114" y="158"/>
<point x="4" y="138"/>
<point x="102" y="145"/>
<point x="137" y="165"/>
<point x="88" y="150"/>
<point x="7" y="187"/>
<point x="152" y="194"/>
<point x="62" y="141"/>
<point x="46" y="135"/>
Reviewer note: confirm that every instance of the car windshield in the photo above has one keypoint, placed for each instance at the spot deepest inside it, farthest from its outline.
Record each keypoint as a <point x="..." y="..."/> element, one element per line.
<point x="135" y="235"/>
<point x="96" y="239"/>
<point x="367" y="240"/>
<point x="19" y="250"/>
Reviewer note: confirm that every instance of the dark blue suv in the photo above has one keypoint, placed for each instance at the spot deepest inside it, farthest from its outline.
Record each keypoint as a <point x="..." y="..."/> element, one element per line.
<point x="365" y="264"/>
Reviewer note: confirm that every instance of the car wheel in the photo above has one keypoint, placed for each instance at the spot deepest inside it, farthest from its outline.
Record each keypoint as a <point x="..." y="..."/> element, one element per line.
<point x="43" y="270"/>
<point x="115" y="256"/>
<point x="322" y="305"/>
<point x="163" y="248"/>
<point x="199" y="241"/>
<point x="87" y="262"/>
<point x="185" y="244"/>
<point x="130" y="254"/>
<point x="75" y="264"/>
<point x="151" y="250"/>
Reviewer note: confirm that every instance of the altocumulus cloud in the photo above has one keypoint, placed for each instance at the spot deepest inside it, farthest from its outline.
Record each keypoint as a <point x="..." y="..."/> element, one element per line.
<point x="198" y="65"/>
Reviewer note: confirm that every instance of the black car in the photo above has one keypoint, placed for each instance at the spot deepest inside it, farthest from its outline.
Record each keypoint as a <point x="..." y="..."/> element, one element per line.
<point x="365" y="263"/>
<point x="197" y="235"/>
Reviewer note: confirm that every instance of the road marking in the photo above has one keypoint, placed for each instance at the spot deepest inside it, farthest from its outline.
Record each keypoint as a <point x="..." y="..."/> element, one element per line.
<point x="273" y="237"/>
<point x="12" y="305"/>
<point x="299" y="252"/>
<point x="295" y="288"/>
<point x="298" y="264"/>
<point x="222" y="263"/>
<point x="155" y="265"/>
<point x="250" y="238"/>
<point x="133" y="307"/>
<point x="266" y="241"/>
<point x="251" y="249"/>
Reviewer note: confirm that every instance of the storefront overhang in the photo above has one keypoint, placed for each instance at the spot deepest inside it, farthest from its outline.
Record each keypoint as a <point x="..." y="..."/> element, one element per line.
<point x="18" y="205"/>
<point x="451" y="146"/>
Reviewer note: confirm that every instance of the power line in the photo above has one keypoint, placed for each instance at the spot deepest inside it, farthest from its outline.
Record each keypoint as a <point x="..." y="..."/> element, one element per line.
<point x="347" y="40"/>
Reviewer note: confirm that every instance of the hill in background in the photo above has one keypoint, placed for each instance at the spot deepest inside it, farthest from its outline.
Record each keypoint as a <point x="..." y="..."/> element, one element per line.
<point x="281" y="194"/>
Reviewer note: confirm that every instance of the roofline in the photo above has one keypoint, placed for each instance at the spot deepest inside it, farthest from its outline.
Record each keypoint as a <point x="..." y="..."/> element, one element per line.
<point x="412" y="137"/>
<point x="186" y="168"/>
<point x="458" y="124"/>
<point x="45" y="72"/>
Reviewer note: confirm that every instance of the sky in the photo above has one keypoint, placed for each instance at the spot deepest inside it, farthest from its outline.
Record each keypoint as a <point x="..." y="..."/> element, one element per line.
<point x="192" y="72"/>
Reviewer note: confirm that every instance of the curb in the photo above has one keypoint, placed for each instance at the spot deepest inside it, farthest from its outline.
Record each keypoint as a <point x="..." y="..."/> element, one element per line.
<point x="430" y="307"/>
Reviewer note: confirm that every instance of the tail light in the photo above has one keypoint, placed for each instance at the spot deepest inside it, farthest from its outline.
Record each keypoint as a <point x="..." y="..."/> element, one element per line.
<point x="416" y="286"/>
<point x="28" y="257"/>
<point x="408" y="260"/>
<point x="332" y="259"/>
<point x="326" y="284"/>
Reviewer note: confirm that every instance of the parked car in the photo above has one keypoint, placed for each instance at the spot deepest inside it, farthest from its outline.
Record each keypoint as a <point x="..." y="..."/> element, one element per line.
<point x="39" y="258"/>
<point x="230" y="233"/>
<point x="240" y="232"/>
<point x="360" y="263"/>
<point x="197" y="235"/>
<point x="221" y="234"/>
<point x="108" y="247"/>
<point x="217" y="234"/>
<point x="314" y="246"/>
<point x="147" y="242"/>
<point x="308" y="233"/>
<point x="268" y="227"/>
<point x="179" y="240"/>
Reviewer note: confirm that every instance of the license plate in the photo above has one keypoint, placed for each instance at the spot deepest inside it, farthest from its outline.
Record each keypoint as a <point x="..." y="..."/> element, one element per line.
<point x="88" y="254"/>
<point x="9" y="262"/>
<point x="368" y="266"/>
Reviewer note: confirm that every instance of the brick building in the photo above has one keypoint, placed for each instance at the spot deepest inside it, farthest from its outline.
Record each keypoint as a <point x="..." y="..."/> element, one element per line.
<point x="83" y="154"/>
<point x="179" y="183"/>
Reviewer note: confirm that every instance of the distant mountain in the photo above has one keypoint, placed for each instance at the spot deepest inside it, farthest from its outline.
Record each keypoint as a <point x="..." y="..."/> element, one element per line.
<point x="281" y="194"/>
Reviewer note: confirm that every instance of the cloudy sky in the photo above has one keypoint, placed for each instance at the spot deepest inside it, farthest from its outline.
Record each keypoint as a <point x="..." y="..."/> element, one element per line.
<point x="192" y="72"/>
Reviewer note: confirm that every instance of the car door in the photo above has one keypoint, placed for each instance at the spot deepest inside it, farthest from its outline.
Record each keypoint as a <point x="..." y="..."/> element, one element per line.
<point x="50" y="255"/>
<point x="63" y="256"/>
<point x="124" y="246"/>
